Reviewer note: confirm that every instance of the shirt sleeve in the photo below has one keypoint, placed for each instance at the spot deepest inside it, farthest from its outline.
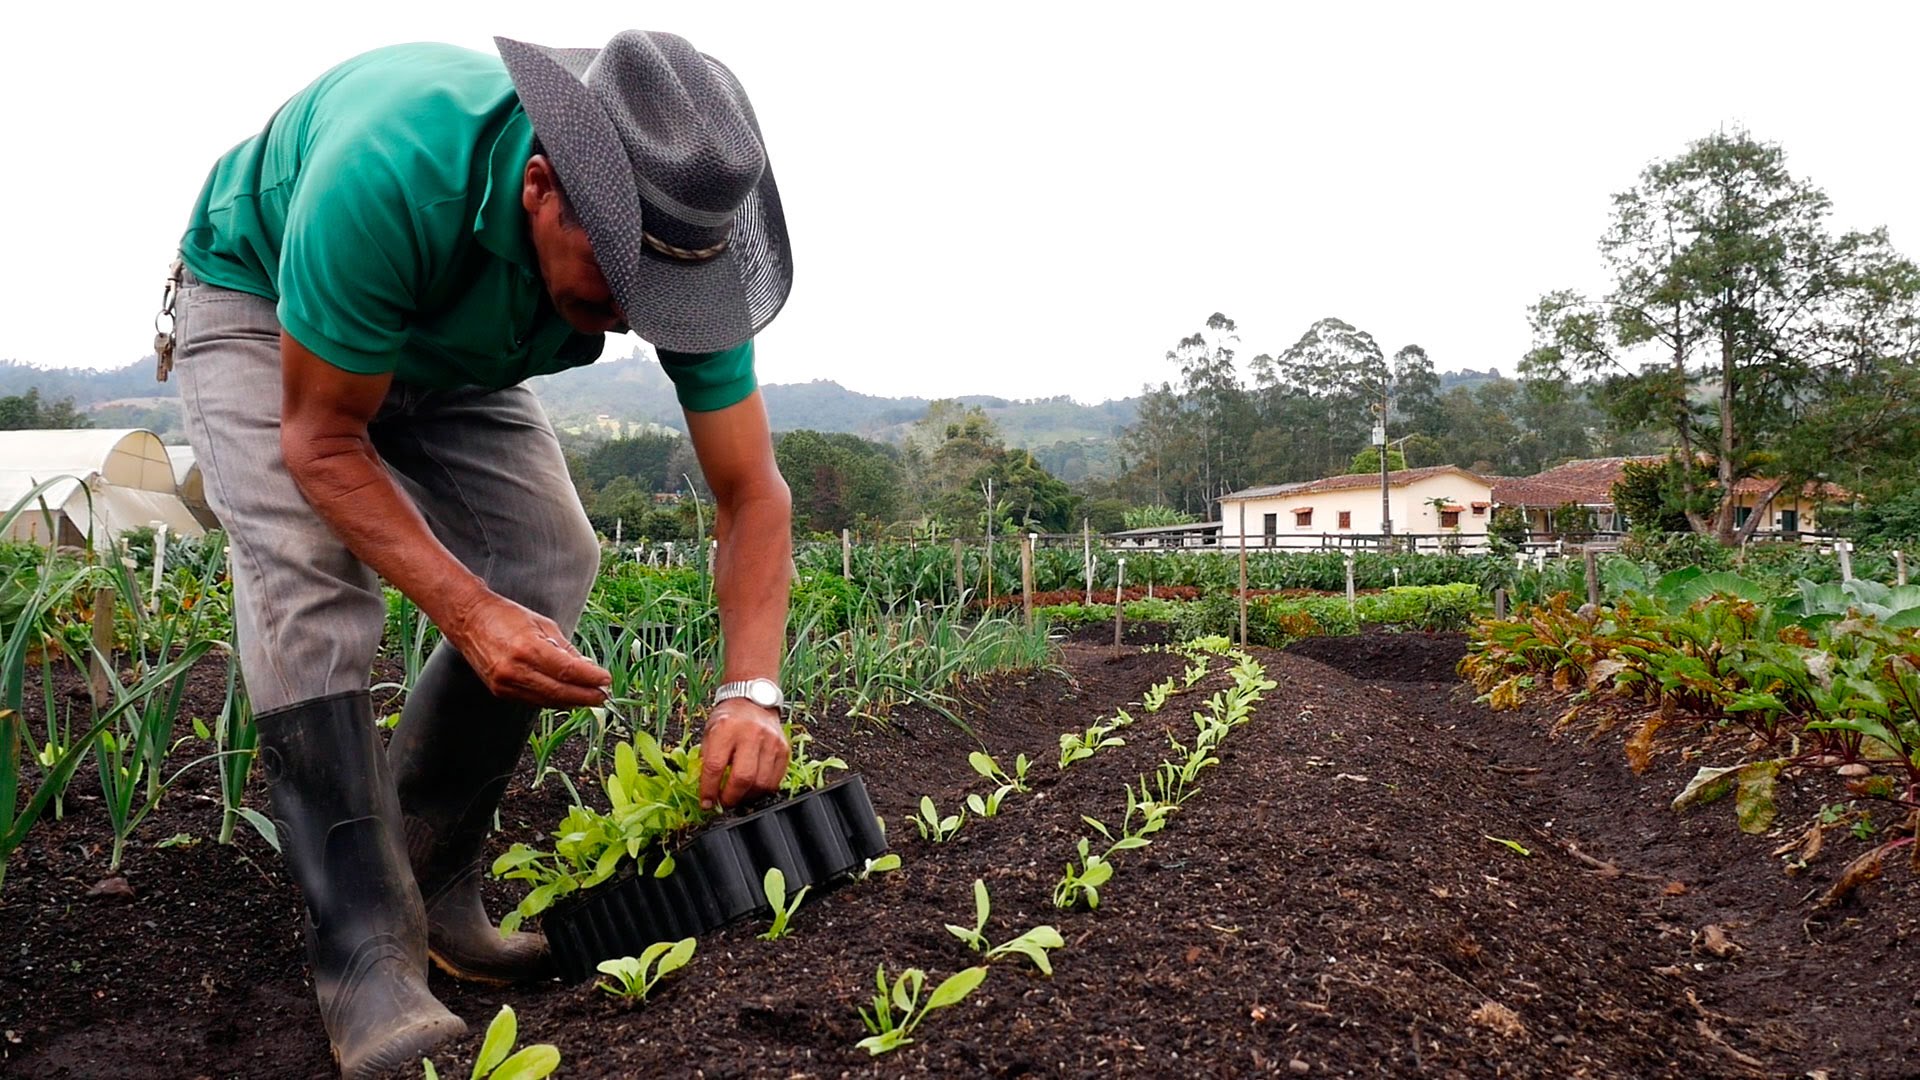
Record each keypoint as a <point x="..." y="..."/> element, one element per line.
<point x="350" y="262"/>
<point x="707" y="382"/>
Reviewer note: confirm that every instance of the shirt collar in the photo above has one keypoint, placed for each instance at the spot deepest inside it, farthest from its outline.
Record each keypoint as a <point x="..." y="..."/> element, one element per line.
<point x="501" y="223"/>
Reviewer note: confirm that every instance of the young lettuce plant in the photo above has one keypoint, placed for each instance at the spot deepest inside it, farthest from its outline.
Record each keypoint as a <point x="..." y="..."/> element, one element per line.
<point x="898" y="1010"/>
<point x="987" y="767"/>
<point x="635" y="977"/>
<point x="885" y="864"/>
<point x="1157" y="696"/>
<point x="497" y="1061"/>
<point x="775" y="886"/>
<point x="1034" y="944"/>
<point x="1082" y="883"/>
<point x="806" y="773"/>
<point x="1078" y="746"/>
<point x="932" y="826"/>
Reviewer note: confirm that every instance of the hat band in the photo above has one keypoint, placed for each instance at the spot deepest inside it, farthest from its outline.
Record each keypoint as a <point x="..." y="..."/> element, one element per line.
<point x="685" y="254"/>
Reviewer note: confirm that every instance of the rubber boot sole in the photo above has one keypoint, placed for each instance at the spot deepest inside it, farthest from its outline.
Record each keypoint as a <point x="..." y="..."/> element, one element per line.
<point x="404" y="1048"/>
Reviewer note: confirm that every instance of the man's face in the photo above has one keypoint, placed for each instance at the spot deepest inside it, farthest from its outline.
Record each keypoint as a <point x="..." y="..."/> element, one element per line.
<point x="574" y="281"/>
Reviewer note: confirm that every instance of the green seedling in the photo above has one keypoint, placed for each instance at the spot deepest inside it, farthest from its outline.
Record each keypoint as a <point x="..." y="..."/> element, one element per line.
<point x="1193" y="674"/>
<point x="775" y="885"/>
<point x="1077" y="746"/>
<point x="990" y="805"/>
<point x="1511" y="845"/>
<point x="635" y="977"/>
<point x="1033" y="944"/>
<point x="1082" y="883"/>
<point x="497" y="1061"/>
<point x="885" y="864"/>
<point x="1157" y="696"/>
<point x="932" y="826"/>
<point x="975" y="938"/>
<point x="806" y="773"/>
<point x="898" y="1011"/>
<point x="989" y="768"/>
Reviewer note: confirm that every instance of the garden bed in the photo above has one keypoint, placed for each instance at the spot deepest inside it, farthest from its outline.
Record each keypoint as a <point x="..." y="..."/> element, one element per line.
<point x="1329" y="903"/>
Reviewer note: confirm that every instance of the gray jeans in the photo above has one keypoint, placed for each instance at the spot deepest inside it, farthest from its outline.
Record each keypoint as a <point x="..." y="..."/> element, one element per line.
<point x="483" y="467"/>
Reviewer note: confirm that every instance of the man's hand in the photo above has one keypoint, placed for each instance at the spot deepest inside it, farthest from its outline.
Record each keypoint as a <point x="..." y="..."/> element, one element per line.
<point x="745" y="747"/>
<point x="522" y="655"/>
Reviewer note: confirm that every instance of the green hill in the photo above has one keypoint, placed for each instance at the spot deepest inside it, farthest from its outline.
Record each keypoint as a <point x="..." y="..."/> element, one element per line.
<point x="634" y="390"/>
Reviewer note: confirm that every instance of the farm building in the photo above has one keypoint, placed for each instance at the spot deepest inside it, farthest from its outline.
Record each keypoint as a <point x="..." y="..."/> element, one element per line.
<point x="1589" y="484"/>
<point x="104" y="482"/>
<point x="1441" y="503"/>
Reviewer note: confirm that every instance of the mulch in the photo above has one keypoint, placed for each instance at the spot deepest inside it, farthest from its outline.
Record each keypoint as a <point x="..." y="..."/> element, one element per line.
<point x="1334" y="901"/>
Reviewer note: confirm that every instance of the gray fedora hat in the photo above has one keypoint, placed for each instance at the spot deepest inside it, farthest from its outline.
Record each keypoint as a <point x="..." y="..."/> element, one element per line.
<point x="661" y="157"/>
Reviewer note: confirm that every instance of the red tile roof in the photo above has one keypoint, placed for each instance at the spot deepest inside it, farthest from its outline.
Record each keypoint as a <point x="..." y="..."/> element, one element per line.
<point x="1350" y="481"/>
<point x="1590" y="483"/>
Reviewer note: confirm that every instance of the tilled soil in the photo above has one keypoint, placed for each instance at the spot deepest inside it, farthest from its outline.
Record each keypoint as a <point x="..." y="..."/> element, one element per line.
<point x="1336" y="900"/>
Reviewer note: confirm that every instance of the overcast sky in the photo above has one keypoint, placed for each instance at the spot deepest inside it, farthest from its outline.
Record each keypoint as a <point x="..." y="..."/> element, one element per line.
<point x="1032" y="199"/>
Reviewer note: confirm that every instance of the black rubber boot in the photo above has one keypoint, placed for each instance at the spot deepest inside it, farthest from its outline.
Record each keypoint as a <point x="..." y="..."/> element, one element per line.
<point x="339" y="822"/>
<point x="452" y="755"/>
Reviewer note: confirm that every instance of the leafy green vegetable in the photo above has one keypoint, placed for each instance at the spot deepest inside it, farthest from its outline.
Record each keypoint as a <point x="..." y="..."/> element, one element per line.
<point x="775" y="886"/>
<point x="635" y="977"/>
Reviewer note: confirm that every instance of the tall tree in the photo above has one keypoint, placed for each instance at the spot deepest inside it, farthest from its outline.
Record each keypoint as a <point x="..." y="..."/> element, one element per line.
<point x="837" y="479"/>
<point x="28" y="412"/>
<point x="1735" y="316"/>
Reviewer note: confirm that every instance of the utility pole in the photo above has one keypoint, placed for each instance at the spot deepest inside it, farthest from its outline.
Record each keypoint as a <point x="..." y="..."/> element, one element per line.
<point x="1386" y="504"/>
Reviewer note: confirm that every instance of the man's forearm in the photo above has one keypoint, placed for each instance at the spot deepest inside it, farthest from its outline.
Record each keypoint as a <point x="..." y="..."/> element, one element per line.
<point x="752" y="571"/>
<point x="346" y="483"/>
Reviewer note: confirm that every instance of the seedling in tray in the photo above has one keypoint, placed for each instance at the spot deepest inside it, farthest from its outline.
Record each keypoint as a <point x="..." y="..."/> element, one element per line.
<point x="932" y="826"/>
<point x="898" y="1011"/>
<point x="635" y="977"/>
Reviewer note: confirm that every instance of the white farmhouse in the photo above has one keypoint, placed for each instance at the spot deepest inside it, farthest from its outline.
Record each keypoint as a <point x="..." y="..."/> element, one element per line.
<point x="1442" y="506"/>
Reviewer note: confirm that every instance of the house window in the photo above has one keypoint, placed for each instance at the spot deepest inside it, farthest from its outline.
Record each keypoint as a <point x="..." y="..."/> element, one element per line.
<point x="1741" y="514"/>
<point x="1303" y="517"/>
<point x="1449" y="519"/>
<point x="1790" y="521"/>
<point x="1479" y="509"/>
<point x="1270" y="524"/>
<point x="1346" y="519"/>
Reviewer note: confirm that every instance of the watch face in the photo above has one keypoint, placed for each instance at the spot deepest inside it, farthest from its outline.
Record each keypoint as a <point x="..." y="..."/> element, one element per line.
<point x="764" y="693"/>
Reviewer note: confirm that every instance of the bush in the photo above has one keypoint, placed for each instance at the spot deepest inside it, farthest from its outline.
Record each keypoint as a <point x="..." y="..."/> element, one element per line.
<point x="827" y="600"/>
<point x="1674" y="551"/>
<point x="1432" y="609"/>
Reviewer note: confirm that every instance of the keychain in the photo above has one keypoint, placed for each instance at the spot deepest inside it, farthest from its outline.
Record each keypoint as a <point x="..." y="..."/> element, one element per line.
<point x="164" y="339"/>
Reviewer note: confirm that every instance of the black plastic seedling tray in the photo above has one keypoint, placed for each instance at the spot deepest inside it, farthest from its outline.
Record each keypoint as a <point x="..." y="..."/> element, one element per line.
<point x="814" y="838"/>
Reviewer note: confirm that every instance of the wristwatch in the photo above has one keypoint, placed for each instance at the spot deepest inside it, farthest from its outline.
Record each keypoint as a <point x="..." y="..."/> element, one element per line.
<point x="762" y="692"/>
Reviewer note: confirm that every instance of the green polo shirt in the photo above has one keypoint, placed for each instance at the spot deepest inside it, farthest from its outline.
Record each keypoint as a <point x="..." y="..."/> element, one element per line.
<point x="380" y="210"/>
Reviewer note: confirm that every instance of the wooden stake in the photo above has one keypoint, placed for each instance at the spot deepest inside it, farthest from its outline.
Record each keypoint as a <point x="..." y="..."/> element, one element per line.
<point x="1243" y="573"/>
<point x="159" y="564"/>
<point x="959" y="571"/>
<point x="1026" y="578"/>
<point x="1845" y="551"/>
<point x="98" y="686"/>
<point x="1593" y="576"/>
<point x="1500" y="603"/>
<point x="1899" y="568"/>
<point x="846" y="554"/>
<point x="1119" y="607"/>
<point x="1086" y="538"/>
<point x="1352" y="599"/>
